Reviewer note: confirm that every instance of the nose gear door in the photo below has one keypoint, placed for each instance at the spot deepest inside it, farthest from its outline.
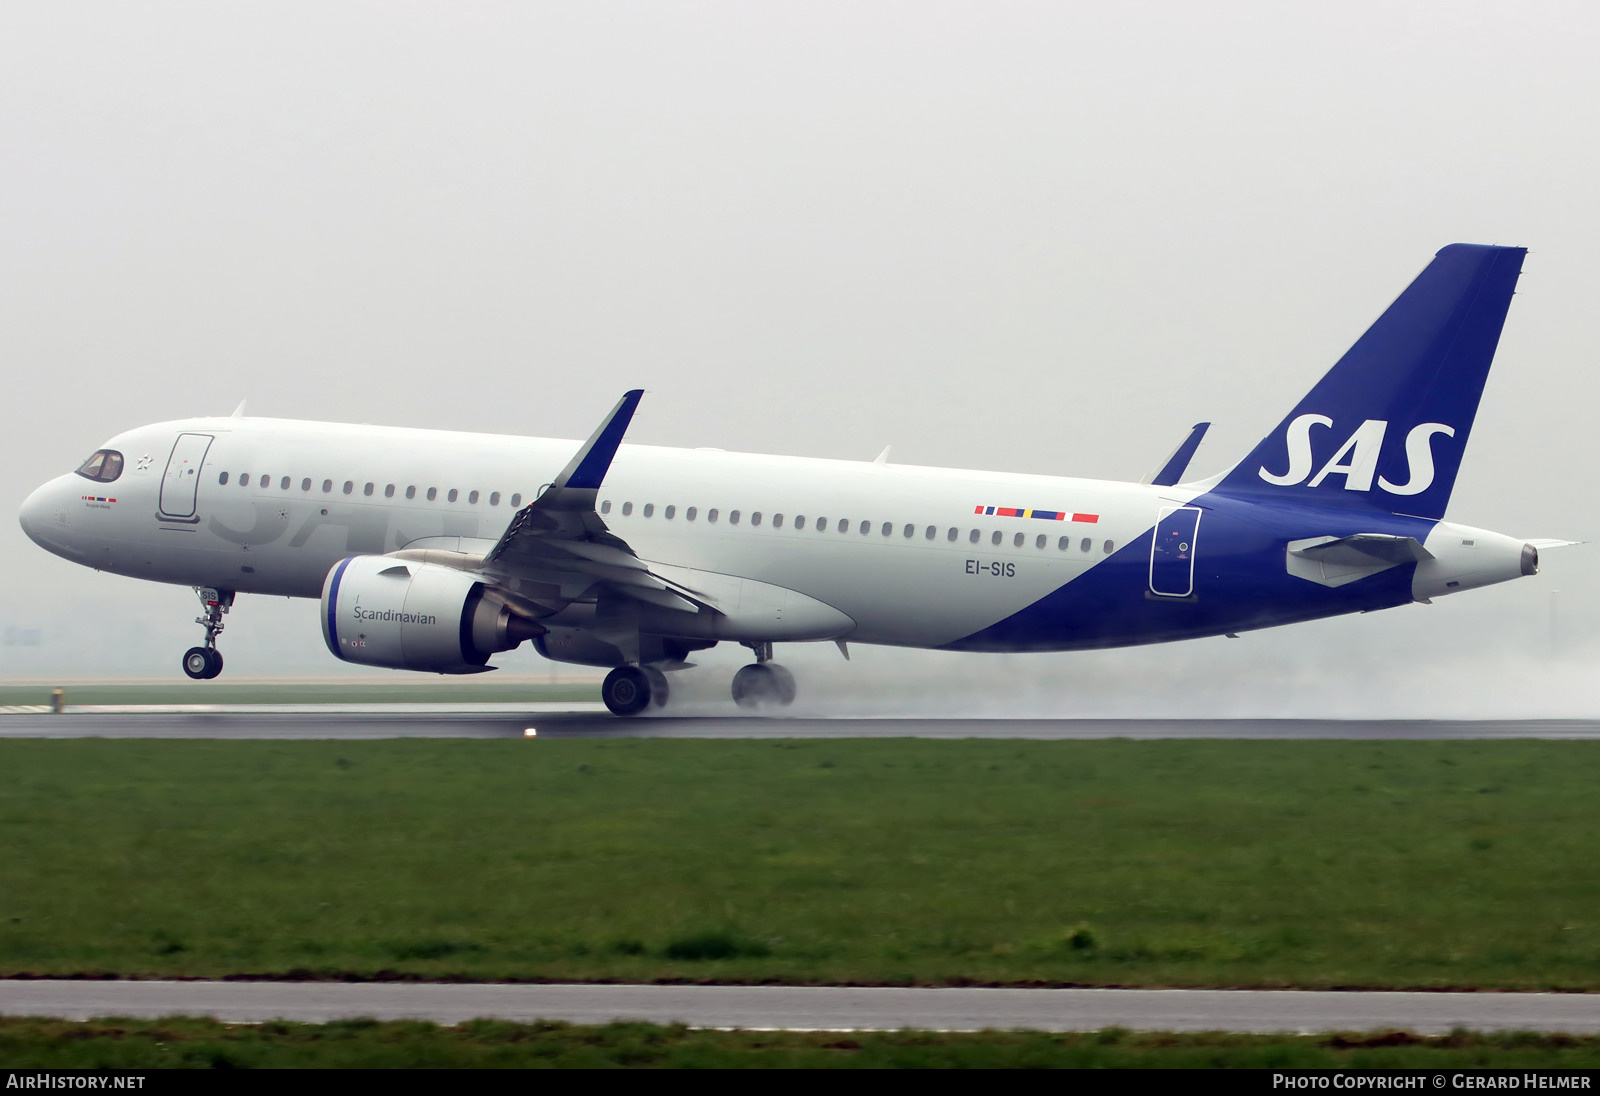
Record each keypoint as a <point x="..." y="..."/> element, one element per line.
<point x="182" y="479"/>
<point x="1172" y="551"/>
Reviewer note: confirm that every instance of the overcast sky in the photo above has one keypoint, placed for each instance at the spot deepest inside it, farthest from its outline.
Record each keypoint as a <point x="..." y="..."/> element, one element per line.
<point x="1041" y="237"/>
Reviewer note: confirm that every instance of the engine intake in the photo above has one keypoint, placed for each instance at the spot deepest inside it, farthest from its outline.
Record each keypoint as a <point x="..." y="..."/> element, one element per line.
<point x="380" y="611"/>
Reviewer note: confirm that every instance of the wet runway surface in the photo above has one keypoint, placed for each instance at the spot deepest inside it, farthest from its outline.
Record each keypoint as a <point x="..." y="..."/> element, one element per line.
<point x="816" y="1008"/>
<point x="351" y="722"/>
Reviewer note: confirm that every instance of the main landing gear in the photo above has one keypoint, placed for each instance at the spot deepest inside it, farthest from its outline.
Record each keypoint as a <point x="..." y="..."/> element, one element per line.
<point x="205" y="663"/>
<point x="764" y="684"/>
<point x="629" y="690"/>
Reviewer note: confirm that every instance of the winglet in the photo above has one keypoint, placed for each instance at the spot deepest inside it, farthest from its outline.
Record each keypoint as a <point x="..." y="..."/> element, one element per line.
<point x="1178" y="463"/>
<point x="238" y="412"/>
<point x="587" y="468"/>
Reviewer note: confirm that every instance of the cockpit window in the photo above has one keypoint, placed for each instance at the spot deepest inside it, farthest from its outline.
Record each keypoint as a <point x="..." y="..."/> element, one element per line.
<point x="103" y="467"/>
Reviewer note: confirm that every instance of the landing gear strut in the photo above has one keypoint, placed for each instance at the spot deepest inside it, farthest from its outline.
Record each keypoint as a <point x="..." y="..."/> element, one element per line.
<point x="764" y="684"/>
<point x="629" y="690"/>
<point x="205" y="663"/>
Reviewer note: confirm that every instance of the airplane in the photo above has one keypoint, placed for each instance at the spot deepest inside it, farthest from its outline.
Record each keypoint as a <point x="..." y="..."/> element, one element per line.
<point x="435" y="551"/>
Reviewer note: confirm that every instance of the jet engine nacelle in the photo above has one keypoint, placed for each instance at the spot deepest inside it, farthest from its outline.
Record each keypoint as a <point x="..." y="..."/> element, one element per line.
<point x="383" y="611"/>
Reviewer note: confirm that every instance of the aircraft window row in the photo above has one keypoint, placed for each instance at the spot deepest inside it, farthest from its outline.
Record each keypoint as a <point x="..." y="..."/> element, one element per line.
<point x="349" y="487"/>
<point x="864" y="528"/>
<point x="103" y="466"/>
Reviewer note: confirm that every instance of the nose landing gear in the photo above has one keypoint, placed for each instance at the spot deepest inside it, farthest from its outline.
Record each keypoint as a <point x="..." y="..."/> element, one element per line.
<point x="205" y="663"/>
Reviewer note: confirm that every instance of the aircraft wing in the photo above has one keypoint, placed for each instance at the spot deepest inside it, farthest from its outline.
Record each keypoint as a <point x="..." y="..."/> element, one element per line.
<point x="558" y="548"/>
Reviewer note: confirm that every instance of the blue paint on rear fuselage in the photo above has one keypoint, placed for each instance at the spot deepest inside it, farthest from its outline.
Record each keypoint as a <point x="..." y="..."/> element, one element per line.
<point x="1241" y="582"/>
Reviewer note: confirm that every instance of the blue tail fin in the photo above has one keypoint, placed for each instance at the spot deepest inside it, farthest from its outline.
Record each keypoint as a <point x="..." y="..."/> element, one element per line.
<point x="1385" y="428"/>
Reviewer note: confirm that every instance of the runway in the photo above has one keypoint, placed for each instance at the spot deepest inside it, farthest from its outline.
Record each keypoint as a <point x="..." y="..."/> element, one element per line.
<point x="815" y="1008"/>
<point x="558" y="721"/>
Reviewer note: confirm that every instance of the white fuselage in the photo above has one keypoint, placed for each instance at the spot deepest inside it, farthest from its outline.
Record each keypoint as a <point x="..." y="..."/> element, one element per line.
<point x="900" y="550"/>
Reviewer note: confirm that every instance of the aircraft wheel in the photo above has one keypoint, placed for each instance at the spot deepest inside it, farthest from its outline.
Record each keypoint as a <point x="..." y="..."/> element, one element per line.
<point x="659" y="690"/>
<point x="197" y="663"/>
<point x="215" y="657"/>
<point x="763" y="684"/>
<point x="626" y="690"/>
<point x="785" y="683"/>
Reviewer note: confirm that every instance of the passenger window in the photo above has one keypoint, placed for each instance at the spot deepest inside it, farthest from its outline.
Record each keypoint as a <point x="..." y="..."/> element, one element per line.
<point x="777" y="521"/>
<point x="349" y="486"/>
<point x="433" y="493"/>
<point x="822" y="525"/>
<point x="1017" y="540"/>
<point x="1066" y="542"/>
<point x="844" y="525"/>
<point x="627" y="509"/>
<point x="711" y="515"/>
<point x="367" y="490"/>
<point x="494" y="498"/>
<point x="973" y="536"/>
<point x="755" y="518"/>
<point x="1040" y="542"/>
<point x="472" y="498"/>
<point x="1108" y="547"/>
<point x="996" y="538"/>
<point x="264" y="482"/>
<point x="453" y="495"/>
<point x="244" y="479"/>
<point x="305" y="484"/>
<point x="930" y="533"/>
<point x="649" y="509"/>
<point x="888" y="528"/>
<point x="285" y="484"/>
<point x="327" y="486"/>
<point x="690" y="514"/>
<point x="1086" y="545"/>
<point x="516" y="500"/>
<point x="223" y="478"/>
<point x="866" y="527"/>
<point x="388" y="491"/>
<point x="953" y="534"/>
<point x="605" y="507"/>
<point x="733" y="517"/>
<point x="411" y="492"/>
<point x="669" y="512"/>
<point x="800" y="521"/>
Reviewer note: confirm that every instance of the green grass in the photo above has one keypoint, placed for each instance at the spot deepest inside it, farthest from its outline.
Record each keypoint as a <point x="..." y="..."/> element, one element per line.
<point x="1316" y="864"/>
<point x="354" y="692"/>
<point x="181" y="1043"/>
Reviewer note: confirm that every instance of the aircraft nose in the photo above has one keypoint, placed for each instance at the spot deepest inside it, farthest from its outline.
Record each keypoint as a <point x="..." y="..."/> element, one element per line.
<point x="38" y="514"/>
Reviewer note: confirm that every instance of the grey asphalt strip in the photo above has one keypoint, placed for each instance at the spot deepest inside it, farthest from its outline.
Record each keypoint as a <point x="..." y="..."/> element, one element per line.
<point x="353" y="723"/>
<point x="816" y="1008"/>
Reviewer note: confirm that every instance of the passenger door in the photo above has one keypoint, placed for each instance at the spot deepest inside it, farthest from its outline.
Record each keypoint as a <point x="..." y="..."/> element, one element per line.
<point x="1172" y="551"/>
<point x="181" y="482"/>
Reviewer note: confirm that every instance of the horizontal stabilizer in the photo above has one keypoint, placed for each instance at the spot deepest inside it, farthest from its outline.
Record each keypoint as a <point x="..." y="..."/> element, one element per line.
<point x="1366" y="549"/>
